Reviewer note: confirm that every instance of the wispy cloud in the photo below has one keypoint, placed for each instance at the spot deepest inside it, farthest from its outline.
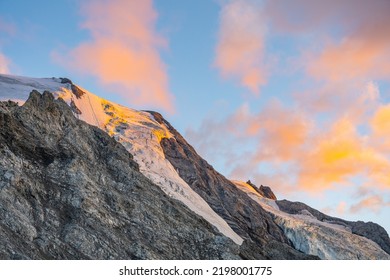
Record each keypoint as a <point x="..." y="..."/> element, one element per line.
<point x="123" y="52"/>
<point x="4" y="64"/>
<point x="336" y="156"/>
<point x="374" y="203"/>
<point x="8" y="29"/>
<point x="352" y="37"/>
<point x="241" y="43"/>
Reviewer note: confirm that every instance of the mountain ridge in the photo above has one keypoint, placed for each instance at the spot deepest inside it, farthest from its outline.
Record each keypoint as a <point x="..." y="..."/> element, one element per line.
<point x="254" y="226"/>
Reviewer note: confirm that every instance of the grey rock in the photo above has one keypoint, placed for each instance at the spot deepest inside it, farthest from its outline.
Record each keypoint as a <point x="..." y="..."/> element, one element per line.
<point x="268" y="193"/>
<point x="78" y="92"/>
<point x="66" y="81"/>
<point x="69" y="191"/>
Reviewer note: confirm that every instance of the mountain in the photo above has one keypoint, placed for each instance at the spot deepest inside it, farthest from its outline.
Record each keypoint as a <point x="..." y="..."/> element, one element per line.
<point x="85" y="178"/>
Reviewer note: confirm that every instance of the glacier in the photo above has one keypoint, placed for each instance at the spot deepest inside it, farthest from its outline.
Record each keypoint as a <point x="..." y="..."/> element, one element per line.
<point x="311" y="236"/>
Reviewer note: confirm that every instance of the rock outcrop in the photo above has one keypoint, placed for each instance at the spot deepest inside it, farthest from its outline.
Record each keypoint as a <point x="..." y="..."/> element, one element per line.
<point x="264" y="191"/>
<point x="69" y="191"/>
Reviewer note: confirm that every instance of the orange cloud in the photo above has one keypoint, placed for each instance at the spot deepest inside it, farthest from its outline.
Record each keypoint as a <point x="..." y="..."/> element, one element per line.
<point x="349" y="39"/>
<point x="363" y="49"/>
<point x="4" y="64"/>
<point x="272" y="136"/>
<point x="380" y="126"/>
<point x="380" y="122"/>
<point x="123" y="52"/>
<point x="281" y="132"/>
<point x="352" y="58"/>
<point x="240" y="48"/>
<point x="337" y="156"/>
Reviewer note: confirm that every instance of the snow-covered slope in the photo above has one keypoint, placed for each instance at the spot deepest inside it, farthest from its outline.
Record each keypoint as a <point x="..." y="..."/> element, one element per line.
<point x="136" y="130"/>
<point x="311" y="236"/>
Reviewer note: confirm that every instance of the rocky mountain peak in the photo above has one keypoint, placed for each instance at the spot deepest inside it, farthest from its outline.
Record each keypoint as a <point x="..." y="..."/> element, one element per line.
<point x="264" y="191"/>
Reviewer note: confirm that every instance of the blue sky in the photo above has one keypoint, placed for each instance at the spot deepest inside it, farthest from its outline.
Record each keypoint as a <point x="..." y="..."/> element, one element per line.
<point x="295" y="97"/>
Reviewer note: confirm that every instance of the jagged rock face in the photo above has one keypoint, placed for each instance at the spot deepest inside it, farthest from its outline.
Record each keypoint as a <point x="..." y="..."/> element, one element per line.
<point x="369" y="230"/>
<point x="69" y="191"/>
<point x="268" y="193"/>
<point x="75" y="89"/>
<point x="264" y="191"/>
<point x="264" y="239"/>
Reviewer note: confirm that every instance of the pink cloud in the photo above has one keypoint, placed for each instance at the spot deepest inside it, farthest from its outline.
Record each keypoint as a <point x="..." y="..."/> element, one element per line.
<point x="123" y="52"/>
<point x="8" y="29"/>
<point x="373" y="203"/>
<point x="4" y="64"/>
<point x="358" y="45"/>
<point x="354" y="57"/>
<point x="337" y="155"/>
<point x="240" y="48"/>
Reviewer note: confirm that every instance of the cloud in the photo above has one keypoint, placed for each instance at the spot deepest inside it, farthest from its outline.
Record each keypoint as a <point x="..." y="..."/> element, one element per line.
<point x="278" y="130"/>
<point x="354" y="57"/>
<point x="351" y="38"/>
<point x="281" y="131"/>
<point x="123" y="52"/>
<point x="341" y="208"/>
<point x="380" y="122"/>
<point x="247" y="139"/>
<point x="336" y="156"/>
<point x="373" y="203"/>
<point x="4" y="64"/>
<point x="240" y="48"/>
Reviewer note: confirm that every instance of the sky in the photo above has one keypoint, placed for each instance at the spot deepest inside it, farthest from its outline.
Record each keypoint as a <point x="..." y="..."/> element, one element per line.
<point x="290" y="94"/>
